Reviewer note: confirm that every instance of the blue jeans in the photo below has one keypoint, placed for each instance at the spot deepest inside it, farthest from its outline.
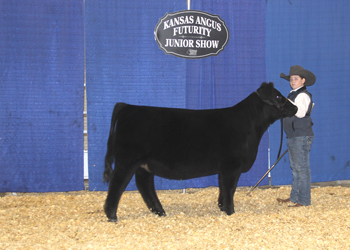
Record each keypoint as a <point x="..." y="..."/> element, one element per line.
<point x="299" y="152"/>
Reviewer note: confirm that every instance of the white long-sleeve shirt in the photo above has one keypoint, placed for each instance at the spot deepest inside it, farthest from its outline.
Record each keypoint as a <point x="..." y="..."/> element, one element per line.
<point x="302" y="101"/>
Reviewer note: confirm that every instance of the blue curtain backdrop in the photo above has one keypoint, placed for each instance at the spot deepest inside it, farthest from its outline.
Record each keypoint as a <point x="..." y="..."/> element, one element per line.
<point x="42" y="68"/>
<point x="41" y="95"/>
<point x="124" y="64"/>
<point x="316" y="35"/>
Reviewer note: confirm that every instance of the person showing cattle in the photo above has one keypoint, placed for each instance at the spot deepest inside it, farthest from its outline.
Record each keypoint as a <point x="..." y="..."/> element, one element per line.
<point x="182" y="144"/>
<point x="299" y="135"/>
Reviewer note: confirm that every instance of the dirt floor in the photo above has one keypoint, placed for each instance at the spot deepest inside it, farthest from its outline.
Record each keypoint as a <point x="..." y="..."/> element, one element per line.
<point x="75" y="220"/>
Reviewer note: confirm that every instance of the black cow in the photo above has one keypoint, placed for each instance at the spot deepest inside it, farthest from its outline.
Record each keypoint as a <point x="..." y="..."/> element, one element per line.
<point x="183" y="144"/>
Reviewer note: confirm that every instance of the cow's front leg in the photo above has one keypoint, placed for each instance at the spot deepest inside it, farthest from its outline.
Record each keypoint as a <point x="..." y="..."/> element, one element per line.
<point x="145" y="185"/>
<point x="119" y="181"/>
<point x="227" y="186"/>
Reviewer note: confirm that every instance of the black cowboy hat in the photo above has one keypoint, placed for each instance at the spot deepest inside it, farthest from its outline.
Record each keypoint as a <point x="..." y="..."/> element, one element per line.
<point x="310" y="78"/>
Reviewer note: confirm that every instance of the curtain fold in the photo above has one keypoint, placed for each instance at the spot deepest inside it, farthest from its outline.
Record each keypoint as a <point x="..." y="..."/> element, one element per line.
<point x="41" y="96"/>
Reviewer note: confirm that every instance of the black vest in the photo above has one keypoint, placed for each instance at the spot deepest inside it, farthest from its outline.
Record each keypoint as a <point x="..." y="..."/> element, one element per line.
<point x="294" y="126"/>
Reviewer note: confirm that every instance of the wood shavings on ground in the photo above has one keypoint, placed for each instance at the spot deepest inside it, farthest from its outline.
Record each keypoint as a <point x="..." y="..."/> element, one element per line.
<point x="75" y="220"/>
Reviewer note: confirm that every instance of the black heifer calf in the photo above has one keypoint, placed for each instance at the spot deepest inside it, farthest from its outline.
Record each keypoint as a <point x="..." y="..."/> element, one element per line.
<point x="182" y="144"/>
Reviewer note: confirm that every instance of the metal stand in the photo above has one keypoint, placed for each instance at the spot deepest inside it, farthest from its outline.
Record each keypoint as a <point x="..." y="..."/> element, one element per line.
<point x="268" y="171"/>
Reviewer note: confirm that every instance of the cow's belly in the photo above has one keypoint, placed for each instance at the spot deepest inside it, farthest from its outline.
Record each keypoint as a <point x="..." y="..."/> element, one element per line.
<point x="180" y="171"/>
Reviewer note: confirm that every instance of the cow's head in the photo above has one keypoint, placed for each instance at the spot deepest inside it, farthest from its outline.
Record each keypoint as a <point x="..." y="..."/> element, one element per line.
<point x="273" y="97"/>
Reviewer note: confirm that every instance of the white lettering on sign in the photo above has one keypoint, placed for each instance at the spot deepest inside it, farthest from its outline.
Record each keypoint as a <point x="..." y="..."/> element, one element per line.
<point x="178" y="21"/>
<point x="205" y="28"/>
<point x="179" y="43"/>
<point x="207" y="44"/>
<point x="208" y="22"/>
<point x="195" y="30"/>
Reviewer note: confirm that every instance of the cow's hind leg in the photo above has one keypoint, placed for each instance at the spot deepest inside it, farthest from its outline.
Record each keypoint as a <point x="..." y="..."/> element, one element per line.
<point x="145" y="184"/>
<point x="227" y="186"/>
<point x="119" y="181"/>
<point x="220" y="201"/>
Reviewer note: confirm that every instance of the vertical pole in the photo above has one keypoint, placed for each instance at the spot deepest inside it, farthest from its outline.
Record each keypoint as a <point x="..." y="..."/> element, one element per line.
<point x="268" y="162"/>
<point x="269" y="157"/>
<point x="188" y="8"/>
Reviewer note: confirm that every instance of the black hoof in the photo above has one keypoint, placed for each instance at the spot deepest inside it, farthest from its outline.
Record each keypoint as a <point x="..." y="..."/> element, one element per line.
<point x="230" y="213"/>
<point x="160" y="214"/>
<point x="223" y="209"/>
<point x="112" y="220"/>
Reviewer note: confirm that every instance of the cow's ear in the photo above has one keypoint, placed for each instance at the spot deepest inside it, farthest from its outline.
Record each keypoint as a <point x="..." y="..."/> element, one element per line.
<point x="264" y="84"/>
<point x="269" y="89"/>
<point x="265" y="89"/>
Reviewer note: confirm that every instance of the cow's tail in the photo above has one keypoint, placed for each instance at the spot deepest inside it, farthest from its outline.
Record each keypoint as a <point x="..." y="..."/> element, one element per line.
<point x="109" y="158"/>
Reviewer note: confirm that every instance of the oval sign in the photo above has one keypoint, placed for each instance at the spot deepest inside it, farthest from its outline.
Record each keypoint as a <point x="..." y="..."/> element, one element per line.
<point x="191" y="34"/>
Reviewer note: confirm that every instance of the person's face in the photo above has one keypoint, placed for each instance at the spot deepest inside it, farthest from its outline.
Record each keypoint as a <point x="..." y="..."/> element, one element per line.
<point x="296" y="81"/>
